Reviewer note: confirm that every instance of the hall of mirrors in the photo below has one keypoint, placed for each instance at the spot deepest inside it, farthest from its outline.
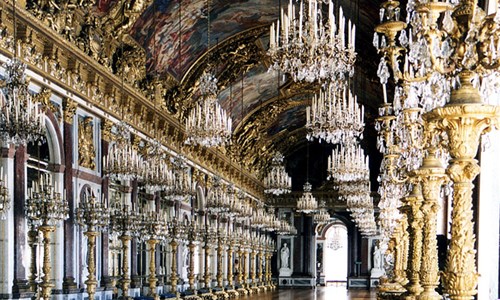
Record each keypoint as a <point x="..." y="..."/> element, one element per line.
<point x="175" y="149"/>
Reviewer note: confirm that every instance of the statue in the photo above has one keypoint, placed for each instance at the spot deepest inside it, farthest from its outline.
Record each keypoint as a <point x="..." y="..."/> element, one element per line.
<point x="86" y="149"/>
<point x="378" y="256"/>
<point x="285" y="265"/>
<point x="285" y="254"/>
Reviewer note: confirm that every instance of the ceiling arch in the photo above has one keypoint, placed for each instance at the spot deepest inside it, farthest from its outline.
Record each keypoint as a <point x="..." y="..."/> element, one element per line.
<point x="268" y="113"/>
<point x="157" y="30"/>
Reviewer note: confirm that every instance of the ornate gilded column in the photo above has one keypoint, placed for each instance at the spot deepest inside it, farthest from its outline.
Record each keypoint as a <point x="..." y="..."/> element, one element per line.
<point x="431" y="176"/>
<point x="413" y="204"/>
<point x="230" y="254"/>
<point x="174" y="277"/>
<point x="33" y="243"/>
<point x="244" y="269"/>
<point x="46" y="285"/>
<point x="192" y="247"/>
<point x="253" y="277"/>
<point x="464" y="119"/>
<point x="241" y="269"/>
<point x="91" y="281"/>
<point x="152" y="269"/>
<point x="125" y="280"/>
<point x="220" y="271"/>
<point x="221" y="294"/>
<point x="208" y="276"/>
<point x="261" y="268"/>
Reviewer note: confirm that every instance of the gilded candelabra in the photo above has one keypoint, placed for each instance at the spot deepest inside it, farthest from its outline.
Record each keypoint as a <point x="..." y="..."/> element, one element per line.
<point x="92" y="216"/>
<point x="193" y="238"/>
<point x="124" y="221"/>
<point x="176" y="231"/>
<point x="452" y="48"/>
<point x="153" y="229"/>
<point x="221" y="247"/>
<point x="33" y="241"/>
<point x="45" y="208"/>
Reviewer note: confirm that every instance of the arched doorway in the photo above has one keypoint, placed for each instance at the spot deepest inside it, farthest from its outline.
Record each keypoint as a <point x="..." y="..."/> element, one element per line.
<point x="333" y="257"/>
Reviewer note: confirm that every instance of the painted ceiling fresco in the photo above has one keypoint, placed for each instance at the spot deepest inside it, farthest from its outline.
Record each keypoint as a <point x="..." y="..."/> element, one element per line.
<point x="259" y="85"/>
<point x="159" y="25"/>
<point x="289" y="120"/>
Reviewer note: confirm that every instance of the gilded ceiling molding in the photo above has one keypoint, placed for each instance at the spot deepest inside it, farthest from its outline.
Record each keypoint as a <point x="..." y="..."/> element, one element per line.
<point x="240" y="53"/>
<point x="252" y="145"/>
<point x="66" y="65"/>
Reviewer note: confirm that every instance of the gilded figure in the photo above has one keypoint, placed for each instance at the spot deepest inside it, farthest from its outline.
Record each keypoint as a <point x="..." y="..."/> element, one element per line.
<point x="86" y="149"/>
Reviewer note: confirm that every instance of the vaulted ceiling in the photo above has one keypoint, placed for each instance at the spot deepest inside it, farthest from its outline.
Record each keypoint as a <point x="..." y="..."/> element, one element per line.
<point x="268" y="110"/>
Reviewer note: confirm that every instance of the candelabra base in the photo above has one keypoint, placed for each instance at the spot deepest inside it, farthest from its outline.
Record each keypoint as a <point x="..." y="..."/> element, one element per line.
<point x="233" y="294"/>
<point x="208" y="296"/>
<point x="242" y="291"/>
<point x="390" y="287"/>
<point x="221" y="295"/>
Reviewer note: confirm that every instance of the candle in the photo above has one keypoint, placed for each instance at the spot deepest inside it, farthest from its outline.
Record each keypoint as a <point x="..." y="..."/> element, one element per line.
<point x="300" y="19"/>
<point x="384" y="87"/>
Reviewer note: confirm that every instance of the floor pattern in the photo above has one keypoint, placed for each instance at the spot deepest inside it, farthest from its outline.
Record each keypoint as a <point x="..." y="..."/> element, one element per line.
<point x="320" y="293"/>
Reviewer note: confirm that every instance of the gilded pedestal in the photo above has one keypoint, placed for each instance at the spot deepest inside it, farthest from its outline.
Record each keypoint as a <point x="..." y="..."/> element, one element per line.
<point x="413" y="204"/>
<point x="46" y="284"/>
<point x="91" y="281"/>
<point x="464" y="119"/>
<point x="125" y="280"/>
<point x="431" y="176"/>
<point x="152" y="269"/>
<point x="173" y="276"/>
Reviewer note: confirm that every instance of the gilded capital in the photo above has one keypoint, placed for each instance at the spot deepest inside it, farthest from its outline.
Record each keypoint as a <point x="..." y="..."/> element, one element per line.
<point x="106" y="127"/>
<point x="69" y="110"/>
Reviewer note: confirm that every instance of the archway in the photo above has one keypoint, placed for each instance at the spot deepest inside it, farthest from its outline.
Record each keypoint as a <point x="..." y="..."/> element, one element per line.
<point x="333" y="243"/>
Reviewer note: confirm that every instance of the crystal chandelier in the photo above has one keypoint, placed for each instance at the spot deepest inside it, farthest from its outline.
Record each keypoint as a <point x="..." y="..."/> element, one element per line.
<point x="322" y="216"/>
<point x="307" y="203"/>
<point x="349" y="164"/>
<point x="277" y="181"/>
<point x="181" y="187"/>
<point x="285" y="228"/>
<point x="312" y="48"/>
<point x="334" y="242"/>
<point x="45" y="206"/>
<point x="153" y="226"/>
<point x="157" y="175"/>
<point x="91" y="214"/>
<point x="124" y="220"/>
<point x="22" y="121"/>
<point x="335" y="116"/>
<point x="208" y="124"/>
<point x="218" y="200"/>
<point x="123" y="162"/>
<point x="243" y="209"/>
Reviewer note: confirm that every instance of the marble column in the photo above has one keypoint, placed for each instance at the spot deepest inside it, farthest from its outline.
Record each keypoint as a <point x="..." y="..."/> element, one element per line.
<point x="106" y="279"/>
<point x="134" y="266"/>
<point x="7" y="227"/>
<point x="69" y="284"/>
<point x="20" y="288"/>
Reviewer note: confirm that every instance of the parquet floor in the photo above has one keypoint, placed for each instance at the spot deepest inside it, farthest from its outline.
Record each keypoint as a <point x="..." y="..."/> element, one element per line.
<point x="320" y="293"/>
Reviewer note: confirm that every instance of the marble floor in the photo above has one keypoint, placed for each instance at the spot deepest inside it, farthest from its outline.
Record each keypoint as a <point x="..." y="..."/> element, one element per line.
<point x="320" y="293"/>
